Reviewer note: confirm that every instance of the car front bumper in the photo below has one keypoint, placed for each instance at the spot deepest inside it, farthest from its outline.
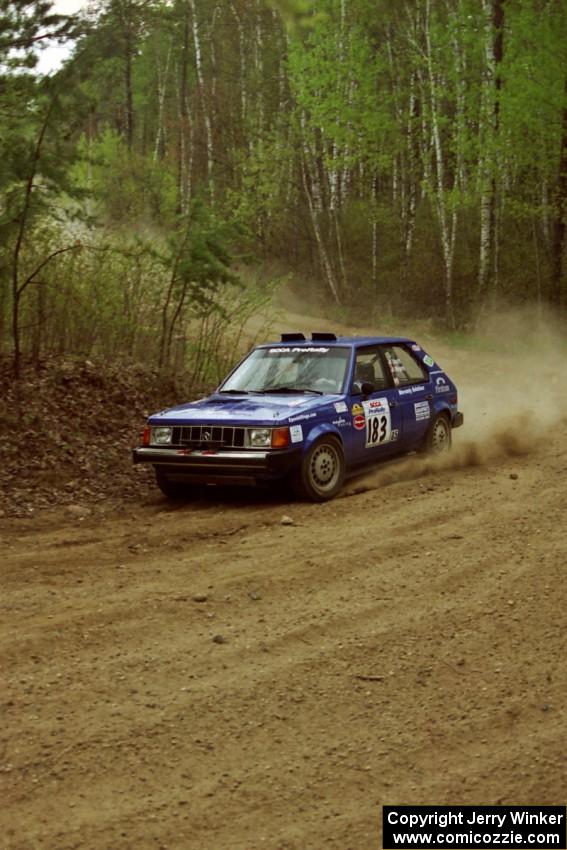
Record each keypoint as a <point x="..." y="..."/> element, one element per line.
<point x="458" y="420"/>
<point x="229" y="466"/>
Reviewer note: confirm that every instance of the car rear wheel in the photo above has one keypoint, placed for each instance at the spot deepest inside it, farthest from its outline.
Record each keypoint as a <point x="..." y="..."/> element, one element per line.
<point x="438" y="438"/>
<point x="322" y="471"/>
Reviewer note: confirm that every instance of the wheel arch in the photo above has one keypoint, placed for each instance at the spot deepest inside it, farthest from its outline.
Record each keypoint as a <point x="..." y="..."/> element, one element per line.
<point x="323" y="429"/>
<point x="441" y="408"/>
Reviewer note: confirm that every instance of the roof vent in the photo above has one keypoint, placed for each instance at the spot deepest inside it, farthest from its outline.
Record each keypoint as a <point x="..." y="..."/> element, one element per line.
<point x="323" y="337"/>
<point x="293" y="338"/>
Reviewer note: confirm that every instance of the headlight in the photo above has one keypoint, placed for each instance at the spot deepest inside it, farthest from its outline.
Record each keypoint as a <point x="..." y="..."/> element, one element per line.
<point x="161" y="436"/>
<point x="260" y="438"/>
<point x="266" y="438"/>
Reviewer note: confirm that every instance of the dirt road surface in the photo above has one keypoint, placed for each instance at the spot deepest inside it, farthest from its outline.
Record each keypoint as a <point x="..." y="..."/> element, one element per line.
<point x="202" y="677"/>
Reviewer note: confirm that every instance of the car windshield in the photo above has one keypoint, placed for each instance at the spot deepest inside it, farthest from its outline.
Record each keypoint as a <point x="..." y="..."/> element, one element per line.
<point x="304" y="369"/>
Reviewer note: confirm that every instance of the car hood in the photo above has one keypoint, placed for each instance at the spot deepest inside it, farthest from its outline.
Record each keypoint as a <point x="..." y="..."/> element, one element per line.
<point x="245" y="409"/>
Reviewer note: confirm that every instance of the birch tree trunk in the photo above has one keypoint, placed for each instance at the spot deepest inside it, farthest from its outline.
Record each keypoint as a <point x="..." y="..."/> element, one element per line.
<point x="214" y="74"/>
<point x="338" y="184"/>
<point x="203" y="97"/>
<point x="287" y="164"/>
<point x="490" y="118"/>
<point x="413" y="176"/>
<point x="242" y="61"/>
<point x="259" y="68"/>
<point x="405" y="166"/>
<point x="311" y="184"/>
<point x="323" y="253"/>
<point x="375" y="236"/>
<point x="162" y="76"/>
<point x="447" y="221"/>
<point x="183" y="169"/>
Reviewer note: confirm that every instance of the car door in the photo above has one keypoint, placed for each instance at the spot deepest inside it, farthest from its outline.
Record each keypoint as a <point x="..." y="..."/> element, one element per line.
<point x="413" y="393"/>
<point x="376" y="415"/>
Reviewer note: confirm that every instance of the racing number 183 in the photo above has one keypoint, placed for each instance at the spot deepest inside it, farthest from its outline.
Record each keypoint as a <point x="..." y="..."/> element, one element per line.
<point x="376" y="430"/>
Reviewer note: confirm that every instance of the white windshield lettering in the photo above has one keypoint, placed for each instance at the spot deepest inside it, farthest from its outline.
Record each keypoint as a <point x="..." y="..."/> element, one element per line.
<point x="298" y="350"/>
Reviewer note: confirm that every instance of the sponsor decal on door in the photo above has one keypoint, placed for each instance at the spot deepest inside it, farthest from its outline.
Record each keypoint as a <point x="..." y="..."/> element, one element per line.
<point x="378" y="422"/>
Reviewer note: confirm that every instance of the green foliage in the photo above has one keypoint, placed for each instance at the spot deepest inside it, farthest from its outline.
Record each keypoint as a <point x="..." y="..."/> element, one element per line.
<point x="358" y="142"/>
<point x="259" y="202"/>
<point x="298" y="14"/>
<point x="340" y="98"/>
<point x="109" y="296"/>
<point x="197" y="256"/>
<point x="535" y="93"/>
<point x="127" y="187"/>
<point x="25" y="25"/>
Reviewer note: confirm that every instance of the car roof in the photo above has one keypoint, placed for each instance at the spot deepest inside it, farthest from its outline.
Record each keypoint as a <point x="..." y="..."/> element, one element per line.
<point x="339" y="341"/>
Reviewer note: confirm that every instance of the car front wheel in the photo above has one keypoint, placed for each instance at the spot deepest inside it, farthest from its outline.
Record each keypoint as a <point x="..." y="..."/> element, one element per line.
<point x="438" y="438"/>
<point x="322" y="471"/>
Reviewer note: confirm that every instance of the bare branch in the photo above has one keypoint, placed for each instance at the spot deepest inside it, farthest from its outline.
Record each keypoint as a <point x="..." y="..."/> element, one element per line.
<point x="42" y="265"/>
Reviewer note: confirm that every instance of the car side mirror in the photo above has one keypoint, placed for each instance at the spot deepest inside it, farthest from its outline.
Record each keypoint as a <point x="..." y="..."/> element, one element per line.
<point x="362" y="388"/>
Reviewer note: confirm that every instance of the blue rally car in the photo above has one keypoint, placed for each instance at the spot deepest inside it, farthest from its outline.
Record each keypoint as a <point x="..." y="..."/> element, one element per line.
<point x="307" y="411"/>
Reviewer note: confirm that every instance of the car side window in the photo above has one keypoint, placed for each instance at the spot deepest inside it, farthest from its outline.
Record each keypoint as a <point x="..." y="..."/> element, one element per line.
<point x="405" y="369"/>
<point x="369" y="368"/>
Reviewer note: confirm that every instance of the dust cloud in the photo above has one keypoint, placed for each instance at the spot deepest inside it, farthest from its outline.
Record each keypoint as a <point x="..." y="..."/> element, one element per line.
<point x="512" y="391"/>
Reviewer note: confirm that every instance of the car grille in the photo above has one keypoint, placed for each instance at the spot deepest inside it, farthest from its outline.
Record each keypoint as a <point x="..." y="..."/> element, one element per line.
<point x="208" y="436"/>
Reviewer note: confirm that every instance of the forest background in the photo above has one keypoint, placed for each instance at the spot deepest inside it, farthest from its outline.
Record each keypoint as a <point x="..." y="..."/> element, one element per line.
<point x="403" y="158"/>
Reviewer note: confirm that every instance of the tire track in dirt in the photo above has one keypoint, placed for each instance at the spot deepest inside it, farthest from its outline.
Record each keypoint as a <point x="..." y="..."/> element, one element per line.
<point x="126" y="726"/>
